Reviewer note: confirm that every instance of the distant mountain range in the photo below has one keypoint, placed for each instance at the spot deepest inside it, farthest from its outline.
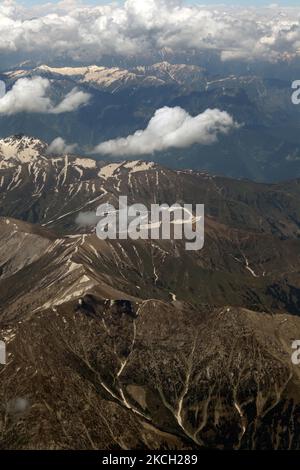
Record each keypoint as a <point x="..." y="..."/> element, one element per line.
<point x="127" y="345"/>
<point x="266" y="147"/>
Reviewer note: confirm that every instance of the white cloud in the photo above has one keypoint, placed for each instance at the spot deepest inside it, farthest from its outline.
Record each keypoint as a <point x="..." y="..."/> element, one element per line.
<point x="26" y="95"/>
<point x="86" y="33"/>
<point x="59" y="146"/>
<point x="30" y="95"/>
<point x="71" y="102"/>
<point x="171" y="127"/>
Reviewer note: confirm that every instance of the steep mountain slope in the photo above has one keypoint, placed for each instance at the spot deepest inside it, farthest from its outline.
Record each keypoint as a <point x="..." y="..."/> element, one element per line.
<point x="98" y="374"/>
<point x="58" y="188"/>
<point x="250" y="257"/>
<point x="86" y="371"/>
<point x="142" y="344"/>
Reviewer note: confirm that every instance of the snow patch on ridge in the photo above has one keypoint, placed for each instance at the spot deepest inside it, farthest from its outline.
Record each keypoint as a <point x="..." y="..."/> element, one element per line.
<point x="85" y="162"/>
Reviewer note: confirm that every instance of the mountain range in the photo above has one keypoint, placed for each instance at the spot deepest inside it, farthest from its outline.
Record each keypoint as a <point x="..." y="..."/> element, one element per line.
<point x="265" y="147"/>
<point x="123" y="344"/>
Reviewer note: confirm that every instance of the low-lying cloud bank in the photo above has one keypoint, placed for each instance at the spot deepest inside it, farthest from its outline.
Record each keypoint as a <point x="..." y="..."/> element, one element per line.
<point x="171" y="128"/>
<point x="30" y="95"/>
<point x="86" y="33"/>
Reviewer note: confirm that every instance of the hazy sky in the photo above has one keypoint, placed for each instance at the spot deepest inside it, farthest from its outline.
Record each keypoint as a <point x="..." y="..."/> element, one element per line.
<point x="199" y="2"/>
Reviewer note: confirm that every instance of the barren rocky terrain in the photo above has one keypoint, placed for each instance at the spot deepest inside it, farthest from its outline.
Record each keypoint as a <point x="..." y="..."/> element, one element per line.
<point x="141" y="344"/>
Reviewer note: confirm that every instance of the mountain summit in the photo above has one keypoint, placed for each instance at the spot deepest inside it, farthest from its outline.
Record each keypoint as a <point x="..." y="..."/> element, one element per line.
<point x="19" y="149"/>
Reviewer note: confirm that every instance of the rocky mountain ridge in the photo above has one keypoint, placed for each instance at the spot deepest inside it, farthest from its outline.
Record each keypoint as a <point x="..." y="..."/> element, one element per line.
<point x="140" y="344"/>
<point x="115" y="79"/>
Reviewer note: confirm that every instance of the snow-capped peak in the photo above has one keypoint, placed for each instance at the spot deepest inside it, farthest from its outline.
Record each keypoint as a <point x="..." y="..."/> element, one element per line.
<point x="20" y="149"/>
